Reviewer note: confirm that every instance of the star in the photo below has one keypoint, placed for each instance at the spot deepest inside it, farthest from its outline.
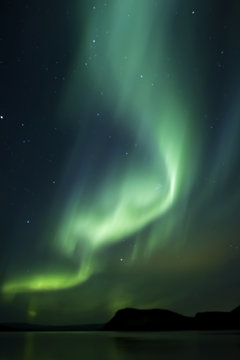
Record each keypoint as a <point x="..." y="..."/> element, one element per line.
<point x="1" y="116"/>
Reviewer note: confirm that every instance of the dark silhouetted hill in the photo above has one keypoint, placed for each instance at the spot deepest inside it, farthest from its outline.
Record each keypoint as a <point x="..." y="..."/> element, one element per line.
<point x="165" y="320"/>
<point x="146" y="320"/>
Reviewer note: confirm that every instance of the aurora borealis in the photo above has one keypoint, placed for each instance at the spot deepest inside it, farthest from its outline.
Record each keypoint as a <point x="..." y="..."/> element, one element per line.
<point x="120" y="133"/>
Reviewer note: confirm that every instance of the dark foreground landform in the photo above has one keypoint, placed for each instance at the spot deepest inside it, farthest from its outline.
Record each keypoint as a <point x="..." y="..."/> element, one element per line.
<point x="165" y="320"/>
<point x="147" y="320"/>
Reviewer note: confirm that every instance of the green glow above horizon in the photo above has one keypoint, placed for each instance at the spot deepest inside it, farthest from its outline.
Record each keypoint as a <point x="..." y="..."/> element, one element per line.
<point x="125" y="68"/>
<point x="46" y="282"/>
<point x="149" y="182"/>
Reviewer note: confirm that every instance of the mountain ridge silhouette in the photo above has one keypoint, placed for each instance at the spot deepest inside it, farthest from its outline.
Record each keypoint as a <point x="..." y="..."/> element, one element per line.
<point x="131" y="319"/>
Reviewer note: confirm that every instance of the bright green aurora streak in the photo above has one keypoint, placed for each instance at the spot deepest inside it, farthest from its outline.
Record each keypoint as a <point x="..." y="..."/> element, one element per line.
<point x="125" y="65"/>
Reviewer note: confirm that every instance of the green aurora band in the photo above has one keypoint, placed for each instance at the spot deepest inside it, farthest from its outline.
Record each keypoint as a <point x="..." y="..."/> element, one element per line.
<point x="132" y="72"/>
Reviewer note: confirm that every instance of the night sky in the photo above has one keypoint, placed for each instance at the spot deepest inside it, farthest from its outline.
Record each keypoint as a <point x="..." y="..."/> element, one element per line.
<point x="120" y="168"/>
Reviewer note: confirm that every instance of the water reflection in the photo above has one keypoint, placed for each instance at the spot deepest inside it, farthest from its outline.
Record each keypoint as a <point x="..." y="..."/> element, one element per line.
<point x="119" y="346"/>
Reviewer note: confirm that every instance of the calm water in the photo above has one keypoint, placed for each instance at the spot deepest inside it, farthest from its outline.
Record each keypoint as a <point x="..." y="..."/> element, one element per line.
<point x="118" y="346"/>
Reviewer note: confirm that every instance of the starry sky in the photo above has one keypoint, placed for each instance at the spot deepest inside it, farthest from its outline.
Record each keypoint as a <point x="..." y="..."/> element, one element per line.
<point x="120" y="171"/>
